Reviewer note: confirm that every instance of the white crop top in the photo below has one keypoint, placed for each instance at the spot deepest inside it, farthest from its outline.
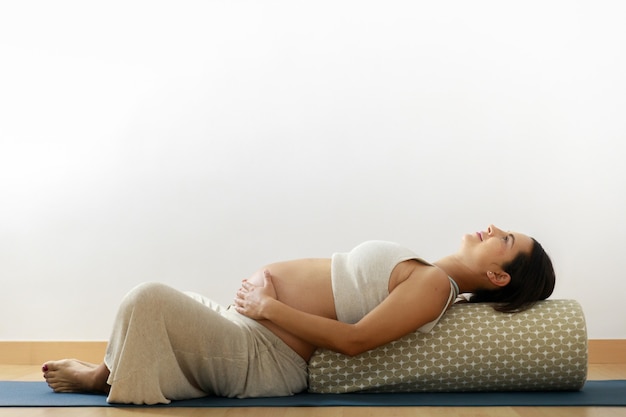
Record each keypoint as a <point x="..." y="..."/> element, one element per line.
<point x="360" y="279"/>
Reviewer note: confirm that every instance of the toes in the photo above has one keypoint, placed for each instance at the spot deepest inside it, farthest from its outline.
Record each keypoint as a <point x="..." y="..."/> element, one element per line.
<point x="51" y="366"/>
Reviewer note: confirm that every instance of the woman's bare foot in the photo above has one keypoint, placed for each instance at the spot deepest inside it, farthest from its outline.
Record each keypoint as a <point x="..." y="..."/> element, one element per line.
<point x="71" y="375"/>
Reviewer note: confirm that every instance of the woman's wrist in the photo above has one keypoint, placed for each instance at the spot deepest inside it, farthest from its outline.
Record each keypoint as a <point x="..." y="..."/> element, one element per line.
<point x="269" y="308"/>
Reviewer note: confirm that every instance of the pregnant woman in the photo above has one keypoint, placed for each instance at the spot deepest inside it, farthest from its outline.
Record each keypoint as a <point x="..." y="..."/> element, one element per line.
<point x="168" y="345"/>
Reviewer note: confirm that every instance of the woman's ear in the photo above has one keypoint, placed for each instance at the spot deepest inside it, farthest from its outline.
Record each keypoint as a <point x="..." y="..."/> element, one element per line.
<point x="499" y="279"/>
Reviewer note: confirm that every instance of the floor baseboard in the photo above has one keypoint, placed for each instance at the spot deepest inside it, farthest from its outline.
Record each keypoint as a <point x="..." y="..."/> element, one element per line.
<point x="601" y="351"/>
<point x="34" y="353"/>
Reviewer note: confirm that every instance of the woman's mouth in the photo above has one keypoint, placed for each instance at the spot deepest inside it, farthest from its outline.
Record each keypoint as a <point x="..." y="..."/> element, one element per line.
<point x="480" y="235"/>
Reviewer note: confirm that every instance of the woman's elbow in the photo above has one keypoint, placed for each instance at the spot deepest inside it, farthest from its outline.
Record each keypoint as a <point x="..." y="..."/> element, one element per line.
<point x="352" y="346"/>
<point x="354" y="350"/>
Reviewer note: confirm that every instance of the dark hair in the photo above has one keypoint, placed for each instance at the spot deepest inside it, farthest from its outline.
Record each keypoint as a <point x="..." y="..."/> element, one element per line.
<point x="532" y="279"/>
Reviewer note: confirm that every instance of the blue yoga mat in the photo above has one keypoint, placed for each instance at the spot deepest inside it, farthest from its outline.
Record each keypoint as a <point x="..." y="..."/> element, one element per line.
<point x="594" y="393"/>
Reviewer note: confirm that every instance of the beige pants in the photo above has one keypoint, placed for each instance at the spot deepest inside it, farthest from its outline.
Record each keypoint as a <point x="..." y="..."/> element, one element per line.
<point x="168" y="345"/>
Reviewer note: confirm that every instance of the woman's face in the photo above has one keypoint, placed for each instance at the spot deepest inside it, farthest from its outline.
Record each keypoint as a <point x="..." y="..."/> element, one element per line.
<point x="492" y="248"/>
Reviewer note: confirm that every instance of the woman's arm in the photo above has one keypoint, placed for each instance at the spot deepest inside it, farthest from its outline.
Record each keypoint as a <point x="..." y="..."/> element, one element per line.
<point x="410" y="305"/>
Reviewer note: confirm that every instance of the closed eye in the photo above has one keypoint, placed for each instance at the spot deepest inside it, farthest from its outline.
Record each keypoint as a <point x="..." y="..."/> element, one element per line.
<point x="510" y="237"/>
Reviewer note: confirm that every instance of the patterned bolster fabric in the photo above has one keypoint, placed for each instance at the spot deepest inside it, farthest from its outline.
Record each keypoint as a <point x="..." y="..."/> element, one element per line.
<point x="473" y="348"/>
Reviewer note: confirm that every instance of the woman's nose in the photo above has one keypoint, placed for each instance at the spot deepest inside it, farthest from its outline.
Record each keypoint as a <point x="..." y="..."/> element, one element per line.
<point x="491" y="230"/>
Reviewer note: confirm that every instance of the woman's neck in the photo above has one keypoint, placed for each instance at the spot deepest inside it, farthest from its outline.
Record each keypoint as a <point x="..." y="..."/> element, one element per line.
<point x="468" y="280"/>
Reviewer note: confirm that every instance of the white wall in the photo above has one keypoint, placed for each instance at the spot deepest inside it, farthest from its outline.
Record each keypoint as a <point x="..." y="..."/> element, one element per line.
<point x="192" y="142"/>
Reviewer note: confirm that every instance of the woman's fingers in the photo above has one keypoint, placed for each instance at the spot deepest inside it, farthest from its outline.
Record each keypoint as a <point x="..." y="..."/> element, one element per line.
<point x="246" y="285"/>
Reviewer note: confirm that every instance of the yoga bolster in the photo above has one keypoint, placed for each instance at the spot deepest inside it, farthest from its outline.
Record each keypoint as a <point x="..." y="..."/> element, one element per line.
<point x="473" y="348"/>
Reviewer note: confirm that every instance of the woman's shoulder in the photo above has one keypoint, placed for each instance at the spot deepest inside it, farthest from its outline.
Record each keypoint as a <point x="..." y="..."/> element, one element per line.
<point x="383" y="246"/>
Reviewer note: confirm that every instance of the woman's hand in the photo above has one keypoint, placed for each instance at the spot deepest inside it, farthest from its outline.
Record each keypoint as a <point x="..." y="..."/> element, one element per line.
<point x="251" y="299"/>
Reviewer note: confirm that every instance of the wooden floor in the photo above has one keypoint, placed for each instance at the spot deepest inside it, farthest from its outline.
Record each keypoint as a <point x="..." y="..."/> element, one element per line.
<point x="601" y="371"/>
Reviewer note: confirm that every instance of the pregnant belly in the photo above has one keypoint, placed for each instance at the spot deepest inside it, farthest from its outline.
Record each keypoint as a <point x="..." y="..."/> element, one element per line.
<point x="305" y="285"/>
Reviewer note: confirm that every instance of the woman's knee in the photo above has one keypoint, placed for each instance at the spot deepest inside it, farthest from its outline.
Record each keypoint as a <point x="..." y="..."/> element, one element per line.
<point x="148" y="293"/>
